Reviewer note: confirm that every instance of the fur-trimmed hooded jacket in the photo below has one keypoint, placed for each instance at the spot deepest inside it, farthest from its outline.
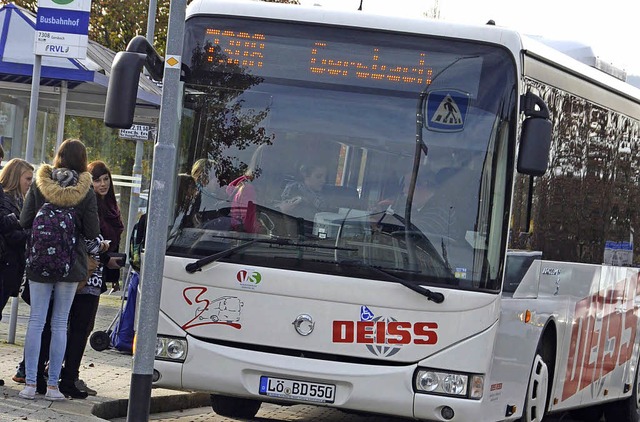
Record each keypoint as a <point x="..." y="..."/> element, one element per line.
<point x="81" y="197"/>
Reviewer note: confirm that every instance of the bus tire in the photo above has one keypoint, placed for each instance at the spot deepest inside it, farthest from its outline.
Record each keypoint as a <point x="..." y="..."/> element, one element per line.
<point x="625" y="410"/>
<point x="234" y="407"/>
<point x="588" y="414"/>
<point x="535" y="404"/>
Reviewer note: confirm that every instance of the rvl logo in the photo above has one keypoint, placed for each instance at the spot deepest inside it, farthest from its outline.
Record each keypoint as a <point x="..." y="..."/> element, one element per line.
<point x="56" y="48"/>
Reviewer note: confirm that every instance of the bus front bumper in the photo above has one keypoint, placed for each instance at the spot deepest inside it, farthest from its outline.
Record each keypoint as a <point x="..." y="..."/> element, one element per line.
<point x="373" y="389"/>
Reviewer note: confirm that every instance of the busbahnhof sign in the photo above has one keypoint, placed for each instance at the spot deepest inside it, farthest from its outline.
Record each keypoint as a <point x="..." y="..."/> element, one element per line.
<point x="62" y="28"/>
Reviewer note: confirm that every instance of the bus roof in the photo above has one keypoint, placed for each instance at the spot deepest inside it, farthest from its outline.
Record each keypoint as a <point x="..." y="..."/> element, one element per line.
<point x="540" y="51"/>
<point x="519" y="44"/>
<point x="357" y="19"/>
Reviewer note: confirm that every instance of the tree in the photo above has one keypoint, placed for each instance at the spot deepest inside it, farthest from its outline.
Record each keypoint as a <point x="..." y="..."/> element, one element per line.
<point x="113" y="23"/>
<point x="221" y="117"/>
<point x="434" y="12"/>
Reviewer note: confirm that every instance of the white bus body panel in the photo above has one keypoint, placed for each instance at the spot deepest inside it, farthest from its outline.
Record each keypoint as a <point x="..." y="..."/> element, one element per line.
<point x="595" y="313"/>
<point x="225" y="304"/>
<point x="263" y="313"/>
<point x="457" y="334"/>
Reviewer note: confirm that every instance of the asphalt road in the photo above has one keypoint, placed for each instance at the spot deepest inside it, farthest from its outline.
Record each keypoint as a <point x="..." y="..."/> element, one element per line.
<point x="300" y="413"/>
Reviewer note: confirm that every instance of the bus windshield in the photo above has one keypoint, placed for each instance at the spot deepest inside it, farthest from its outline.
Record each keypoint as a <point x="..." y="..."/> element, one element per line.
<point x="301" y="139"/>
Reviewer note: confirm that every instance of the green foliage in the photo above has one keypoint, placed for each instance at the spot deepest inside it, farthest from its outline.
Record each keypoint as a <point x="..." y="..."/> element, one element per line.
<point x="114" y="23"/>
<point x="104" y="144"/>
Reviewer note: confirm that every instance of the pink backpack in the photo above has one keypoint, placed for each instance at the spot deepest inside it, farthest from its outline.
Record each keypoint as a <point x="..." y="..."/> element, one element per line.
<point x="243" y="205"/>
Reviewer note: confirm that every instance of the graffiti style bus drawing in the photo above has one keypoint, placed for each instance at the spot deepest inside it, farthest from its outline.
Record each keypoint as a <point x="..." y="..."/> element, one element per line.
<point x="223" y="309"/>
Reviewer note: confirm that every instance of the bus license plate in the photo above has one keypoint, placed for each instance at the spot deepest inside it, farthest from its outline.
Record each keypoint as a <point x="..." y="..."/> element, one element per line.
<point x="297" y="390"/>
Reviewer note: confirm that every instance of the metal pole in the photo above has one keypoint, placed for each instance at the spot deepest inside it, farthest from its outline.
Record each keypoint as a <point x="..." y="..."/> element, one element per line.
<point x="33" y="108"/>
<point x="31" y="141"/>
<point x="62" y="114"/>
<point x="151" y="25"/>
<point x="134" y="197"/>
<point x="151" y="20"/>
<point x="44" y="135"/>
<point x="13" y="320"/>
<point x="162" y="179"/>
<point x="18" y="138"/>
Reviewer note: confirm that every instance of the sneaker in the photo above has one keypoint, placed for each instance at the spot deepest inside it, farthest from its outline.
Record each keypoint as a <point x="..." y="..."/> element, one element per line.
<point x="80" y="385"/>
<point x="28" y="392"/>
<point x="20" y="376"/>
<point x="70" y="390"/>
<point x="53" y="394"/>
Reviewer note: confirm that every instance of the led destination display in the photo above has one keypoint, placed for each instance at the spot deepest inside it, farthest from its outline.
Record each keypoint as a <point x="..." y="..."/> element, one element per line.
<point x="329" y="61"/>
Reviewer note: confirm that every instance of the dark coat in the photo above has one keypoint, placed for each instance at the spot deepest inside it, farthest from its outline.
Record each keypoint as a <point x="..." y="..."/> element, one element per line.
<point x="15" y="239"/>
<point x="81" y="197"/>
<point x="7" y="222"/>
<point x="111" y="228"/>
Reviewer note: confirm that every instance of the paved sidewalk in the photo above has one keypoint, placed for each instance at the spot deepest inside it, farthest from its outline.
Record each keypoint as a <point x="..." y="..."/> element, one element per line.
<point x="108" y="372"/>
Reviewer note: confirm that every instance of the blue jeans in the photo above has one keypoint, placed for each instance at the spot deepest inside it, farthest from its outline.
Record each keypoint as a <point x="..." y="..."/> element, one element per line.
<point x="41" y="293"/>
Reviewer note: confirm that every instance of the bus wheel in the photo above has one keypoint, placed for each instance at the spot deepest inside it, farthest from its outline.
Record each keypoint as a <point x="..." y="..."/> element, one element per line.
<point x="535" y="404"/>
<point x="625" y="410"/>
<point x="234" y="407"/>
<point x="588" y="414"/>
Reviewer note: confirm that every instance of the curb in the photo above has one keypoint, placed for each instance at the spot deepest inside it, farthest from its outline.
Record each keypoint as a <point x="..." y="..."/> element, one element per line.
<point x="159" y="404"/>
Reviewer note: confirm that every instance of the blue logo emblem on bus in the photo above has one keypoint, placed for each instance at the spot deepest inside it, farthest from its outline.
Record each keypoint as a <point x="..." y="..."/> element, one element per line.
<point x="446" y="110"/>
<point x="365" y="314"/>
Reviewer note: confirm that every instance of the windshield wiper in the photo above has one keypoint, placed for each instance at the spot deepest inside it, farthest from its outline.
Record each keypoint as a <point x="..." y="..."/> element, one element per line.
<point x="436" y="297"/>
<point x="197" y="265"/>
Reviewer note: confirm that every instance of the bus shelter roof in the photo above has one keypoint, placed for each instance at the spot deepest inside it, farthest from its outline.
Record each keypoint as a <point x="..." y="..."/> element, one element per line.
<point x="86" y="79"/>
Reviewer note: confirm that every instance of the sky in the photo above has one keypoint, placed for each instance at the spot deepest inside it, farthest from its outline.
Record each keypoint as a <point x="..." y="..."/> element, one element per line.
<point x="610" y="27"/>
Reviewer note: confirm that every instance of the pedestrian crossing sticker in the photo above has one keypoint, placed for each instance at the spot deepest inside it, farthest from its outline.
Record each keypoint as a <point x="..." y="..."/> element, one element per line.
<point x="446" y="110"/>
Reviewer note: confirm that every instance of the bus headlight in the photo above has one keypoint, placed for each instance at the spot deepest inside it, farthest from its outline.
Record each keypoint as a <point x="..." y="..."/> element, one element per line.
<point x="428" y="381"/>
<point x="160" y="346"/>
<point x="455" y="384"/>
<point x="176" y="349"/>
<point x="171" y="348"/>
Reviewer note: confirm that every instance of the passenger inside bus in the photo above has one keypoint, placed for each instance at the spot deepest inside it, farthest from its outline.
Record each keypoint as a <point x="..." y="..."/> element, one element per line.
<point x="306" y="197"/>
<point x="242" y="195"/>
<point x="210" y="195"/>
<point x="427" y="213"/>
<point x="186" y="212"/>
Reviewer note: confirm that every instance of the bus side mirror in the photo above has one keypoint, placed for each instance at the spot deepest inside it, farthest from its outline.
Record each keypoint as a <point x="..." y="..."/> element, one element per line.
<point x="535" y="139"/>
<point x="535" y="142"/>
<point x="123" y="89"/>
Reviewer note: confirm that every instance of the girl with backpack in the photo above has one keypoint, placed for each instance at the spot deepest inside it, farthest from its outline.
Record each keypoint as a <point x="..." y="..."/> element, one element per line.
<point x="85" y="304"/>
<point x="60" y="209"/>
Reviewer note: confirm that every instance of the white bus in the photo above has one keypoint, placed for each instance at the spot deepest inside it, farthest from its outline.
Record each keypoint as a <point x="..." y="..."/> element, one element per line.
<point x="349" y="187"/>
